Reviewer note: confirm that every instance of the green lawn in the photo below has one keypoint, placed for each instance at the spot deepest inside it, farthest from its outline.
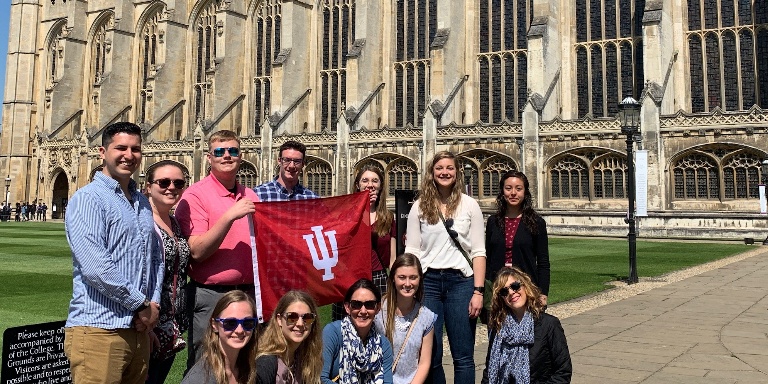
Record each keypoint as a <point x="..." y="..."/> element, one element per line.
<point x="36" y="270"/>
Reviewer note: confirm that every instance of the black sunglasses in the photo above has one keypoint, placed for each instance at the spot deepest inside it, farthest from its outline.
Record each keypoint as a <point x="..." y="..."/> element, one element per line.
<point x="357" y="304"/>
<point x="230" y="324"/>
<point x="505" y="290"/>
<point x="293" y="317"/>
<point x="451" y="232"/>
<point x="166" y="182"/>
<point x="219" y="151"/>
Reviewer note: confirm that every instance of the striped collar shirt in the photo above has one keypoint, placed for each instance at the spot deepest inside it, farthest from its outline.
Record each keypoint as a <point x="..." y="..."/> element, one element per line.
<point x="274" y="191"/>
<point x="116" y="254"/>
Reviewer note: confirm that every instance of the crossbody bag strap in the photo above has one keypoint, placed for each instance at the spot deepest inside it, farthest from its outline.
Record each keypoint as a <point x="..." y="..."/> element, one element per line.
<point x="402" y="347"/>
<point x="455" y="241"/>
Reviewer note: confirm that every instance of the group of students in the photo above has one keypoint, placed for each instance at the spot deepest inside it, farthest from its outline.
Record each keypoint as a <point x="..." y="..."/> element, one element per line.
<point x="389" y="329"/>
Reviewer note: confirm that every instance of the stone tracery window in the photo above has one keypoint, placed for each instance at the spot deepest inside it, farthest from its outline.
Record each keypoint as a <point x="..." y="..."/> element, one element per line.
<point x="484" y="170"/>
<point x="723" y="172"/>
<point x="267" y="46"/>
<point x="247" y="174"/>
<point x="100" y="46"/>
<point x="205" y="59"/>
<point x="503" y="58"/>
<point x="727" y="50"/>
<point x="608" y="54"/>
<point x="318" y="176"/>
<point x="589" y="174"/>
<point x="54" y="55"/>
<point x="148" y="47"/>
<point x="416" y="24"/>
<point x="402" y="173"/>
<point x="338" y="36"/>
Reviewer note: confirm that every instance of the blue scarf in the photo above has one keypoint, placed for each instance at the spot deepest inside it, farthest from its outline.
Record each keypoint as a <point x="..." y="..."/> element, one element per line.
<point x="360" y="362"/>
<point x="509" y="353"/>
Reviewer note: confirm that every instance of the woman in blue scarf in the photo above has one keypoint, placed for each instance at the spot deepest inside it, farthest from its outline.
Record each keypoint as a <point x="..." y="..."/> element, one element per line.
<point x="526" y="345"/>
<point x="353" y="351"/>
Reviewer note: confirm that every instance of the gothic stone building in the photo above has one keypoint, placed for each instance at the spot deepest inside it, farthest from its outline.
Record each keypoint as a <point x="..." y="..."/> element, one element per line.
<point x="526" y="84"/>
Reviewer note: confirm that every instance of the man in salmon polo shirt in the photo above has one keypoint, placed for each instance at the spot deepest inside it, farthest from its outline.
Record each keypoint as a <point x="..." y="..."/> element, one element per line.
<point x="214" y="214"/>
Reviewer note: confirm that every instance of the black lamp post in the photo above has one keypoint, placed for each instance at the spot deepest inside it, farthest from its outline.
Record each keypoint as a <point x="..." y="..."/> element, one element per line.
<point x="764" y="171"/>
<point x="141" y="180"/>
<point x="629" y="113"/>
<point x="468" y="178"/>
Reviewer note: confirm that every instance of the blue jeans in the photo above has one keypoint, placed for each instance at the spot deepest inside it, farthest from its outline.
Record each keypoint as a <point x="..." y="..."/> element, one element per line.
<point x="447" y="293"/>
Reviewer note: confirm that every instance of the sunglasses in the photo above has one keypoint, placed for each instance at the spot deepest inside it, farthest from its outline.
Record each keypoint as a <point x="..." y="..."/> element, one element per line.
<point x="357" y="304"/>
<point x="230" y="324"/>
<point x="514" y="287"/>
<point x="292" y="318"/>
<point x="451" y="232"/>
<point x="219" y="151"/>
<point x="166" y="182"/>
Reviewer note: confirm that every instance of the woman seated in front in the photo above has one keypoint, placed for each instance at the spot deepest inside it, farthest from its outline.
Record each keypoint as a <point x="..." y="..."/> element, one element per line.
<point x="290" y="349"/>
<point x="525" y="345"/>
<point x="229" y="347"/>
<point x="353" y="351"/>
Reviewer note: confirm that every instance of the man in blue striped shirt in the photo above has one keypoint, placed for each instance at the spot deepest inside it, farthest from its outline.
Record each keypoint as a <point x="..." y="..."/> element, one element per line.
<point x="117" y="268"/>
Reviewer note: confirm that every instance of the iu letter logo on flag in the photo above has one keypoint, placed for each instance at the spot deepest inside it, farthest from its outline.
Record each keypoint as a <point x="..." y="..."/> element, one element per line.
<point x="321" y="246"/>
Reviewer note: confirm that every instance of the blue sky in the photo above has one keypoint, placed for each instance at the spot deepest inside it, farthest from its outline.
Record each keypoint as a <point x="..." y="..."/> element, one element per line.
<point x="5" y="12"/>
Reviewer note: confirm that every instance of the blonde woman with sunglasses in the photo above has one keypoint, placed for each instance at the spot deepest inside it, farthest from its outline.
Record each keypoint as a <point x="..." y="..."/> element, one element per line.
<point x="229" y="345"/>
<point x="525" y="345"/>
<point x="353" y="350"/>
<point x="290" y="349"/>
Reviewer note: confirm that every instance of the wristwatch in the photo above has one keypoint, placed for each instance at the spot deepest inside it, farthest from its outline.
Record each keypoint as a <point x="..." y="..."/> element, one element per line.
<point x="480" y="289"/>
<point x="143" y="306"/>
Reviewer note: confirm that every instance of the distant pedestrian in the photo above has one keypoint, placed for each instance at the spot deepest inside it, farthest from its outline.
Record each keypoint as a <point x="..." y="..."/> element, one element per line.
<point x="45" y="209"/>
<point x="17" y="217"/>
<point x="24" y="216"/>
<point x="39" y="211"/>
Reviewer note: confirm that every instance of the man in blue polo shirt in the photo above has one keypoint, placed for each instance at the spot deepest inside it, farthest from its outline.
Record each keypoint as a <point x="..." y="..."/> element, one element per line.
<point x="117" y="268"/>
<point x="286" y="185"/>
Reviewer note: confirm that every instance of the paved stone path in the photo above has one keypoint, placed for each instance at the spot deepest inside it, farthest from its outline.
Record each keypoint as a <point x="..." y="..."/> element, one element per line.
<point x="710" y="327"/>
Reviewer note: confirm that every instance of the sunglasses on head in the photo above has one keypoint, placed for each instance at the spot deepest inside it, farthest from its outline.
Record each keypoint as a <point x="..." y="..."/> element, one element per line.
<point x="166" y="182"/>
<point x="219" y="151"/>
<point x="230" y="324"/>
<point x="293" y="317"/>
<point x="357" y="304"/>
<point x="451" y="232"/>
<point x="505" y="290"/>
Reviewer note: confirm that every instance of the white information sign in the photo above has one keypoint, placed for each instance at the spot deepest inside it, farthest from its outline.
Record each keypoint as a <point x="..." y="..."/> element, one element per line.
<point x="763" y="203"/>
<point x="641" y="182"/>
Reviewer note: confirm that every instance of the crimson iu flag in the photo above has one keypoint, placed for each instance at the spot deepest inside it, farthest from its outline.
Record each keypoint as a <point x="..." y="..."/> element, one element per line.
<point x="321" y="246"/>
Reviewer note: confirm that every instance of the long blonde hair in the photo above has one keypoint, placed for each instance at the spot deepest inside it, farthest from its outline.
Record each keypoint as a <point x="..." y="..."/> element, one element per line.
<point x="390" y="297"/>
<point x="384" y="216"/>
<point x="429" y="195"/>
<point x="212" y="353"/>
<point x="500" y="310"/>
<point x="310" y="352"/>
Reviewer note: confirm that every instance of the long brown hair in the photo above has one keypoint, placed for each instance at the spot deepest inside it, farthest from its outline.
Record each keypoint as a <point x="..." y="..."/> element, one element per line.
<point x="500" y="310"/>
<point x="429" y="196"/>
<point x="529" y="214"/>
<point x="384" y="216"/>
<point x="212" y="353"/>
<point x="390" y="297"/>
<point x="310" y="352"/>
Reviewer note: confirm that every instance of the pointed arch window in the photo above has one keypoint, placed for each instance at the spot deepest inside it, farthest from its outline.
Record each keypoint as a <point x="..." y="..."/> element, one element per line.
<point x="608" y="53"/>
<point x="268" y="22"/>
<point x="416" y="22"/>
<point x="54" y="55"/>
<point x="247" y="175"/>
<point x="318" y="176"/>
<point x="589" y="174"/>
<point x="727" y="50"/>
<point x="338" y="36"/>
<point x="205" y="59"/>
<point x="100" y="46"/>
<point x="503" y="58"/>
<point x="149" y="39"/>
<point x="402" y="174"/>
